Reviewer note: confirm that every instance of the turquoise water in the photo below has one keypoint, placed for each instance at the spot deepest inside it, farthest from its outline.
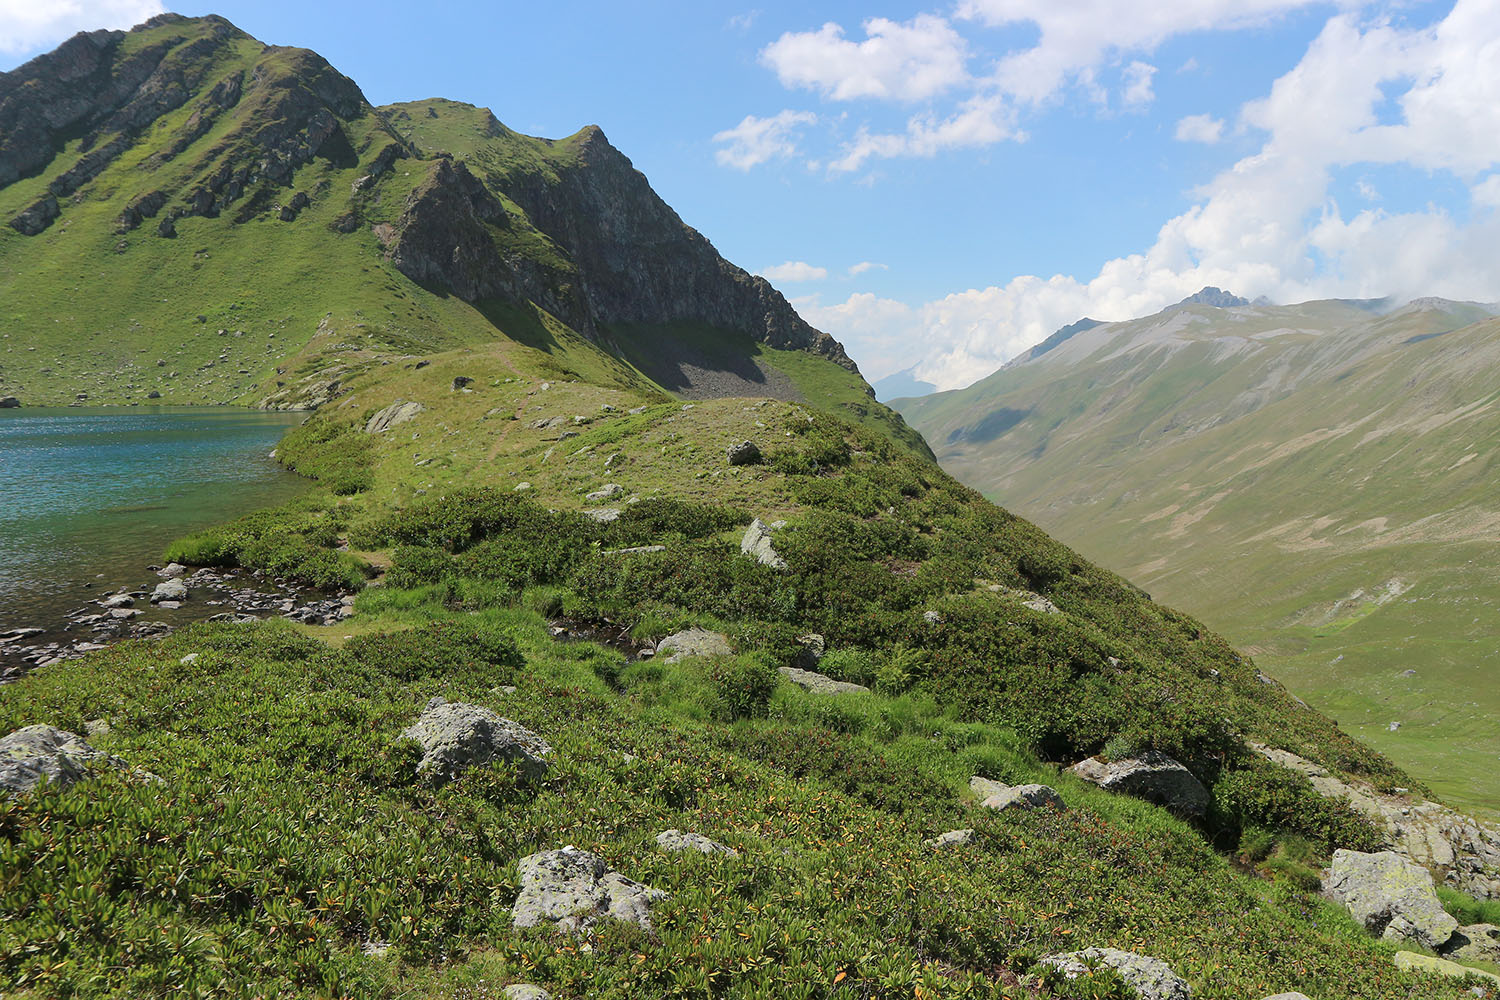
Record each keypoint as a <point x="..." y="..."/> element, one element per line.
<point x="90" y="497"/>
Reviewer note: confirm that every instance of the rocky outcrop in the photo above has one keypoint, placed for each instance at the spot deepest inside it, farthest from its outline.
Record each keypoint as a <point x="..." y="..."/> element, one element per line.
<point x="1152" y="776"/>
<point x="574" y="890"/>
<point x="1151" y="978"/>
<point x="756" y="543"/>
<point x="1474" y="943"/>
<point x="456" y="736"/>
<point x="398" y="412"/>
<point x="1390" y="896"/>
<point x="810" y="680"/>
<point x="1000" y="797"/>
<point x="676" y="840"/>
<point x="744" y="453"/>
<point x="36" y="753"/>
<point x="9" y="402"/>
<point x="37" y="217"/>
<point x="693" y="642"/>
<point x="1413" y="962"/>
<point x="951" y="840"/>
<point x="1463" y="851"/>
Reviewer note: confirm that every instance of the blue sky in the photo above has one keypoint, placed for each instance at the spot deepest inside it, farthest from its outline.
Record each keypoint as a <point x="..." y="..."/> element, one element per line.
<point x="943" y="185"/>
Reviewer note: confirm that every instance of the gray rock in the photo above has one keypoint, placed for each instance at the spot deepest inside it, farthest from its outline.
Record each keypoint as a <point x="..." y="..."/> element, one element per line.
<point x="951" y="840"/>
<point x="744" y="453"/>
<point x="118" y="601"/>
<point x="9" y="402"/>
<point x="526" y="991"/>
<point x="676" y="840"/>
<point x="456" y="735"/>
<point x="28" y="755"/>
<point x="820" y="683"/>
<point x="1152" y="776"/>
<point x="812" y="647"/>
<point x="462" y="382"/>
<point x="1413" y="962"/>
<point x="1024" y="797"/>
<point x="169" y="590"/>
<point x="547" y="423"/>
<point x="608" y="492"/>
<point x="983" y="788"/>
<point x="172" y="571"/>
<point x="189" y="659"/>
<point x="604" y="515"/>
<point x="1390" y="896"/>
<point x="1289" y="996"/>
<point x="398" y="412"/>
<point x="693" y="642"/>
<point x="124" y="614"/>
<point x="757" y="543"/>
<point x="1151" y="978"/>
<point x="1474" y="943"/>
<point x="574" y="890"/>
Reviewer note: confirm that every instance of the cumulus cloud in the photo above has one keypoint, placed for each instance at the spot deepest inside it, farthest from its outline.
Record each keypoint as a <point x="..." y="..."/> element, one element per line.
<point x="794" y="270"/>
<point x="980" y="121"/>
<point x="1138" y="92"/>
<point x="912" y="61"/>
<point x="756" y="140"/>
<point x="29" y="26"/>
<point x="1269" y="224"/>
<point x="866" y="265"/>
<point x="1200" y="128"/>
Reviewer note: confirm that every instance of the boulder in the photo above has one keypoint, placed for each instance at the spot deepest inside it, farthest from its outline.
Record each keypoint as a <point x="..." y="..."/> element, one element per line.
<point x="983" y="788"/>
<point x="574" y="890"/>
<point x="607" y="492"/>
<point x="1151" y="978"/>
<point x="693" y="642"/>
<point x="819" y="683"/>
<point x="1024" y="797"/>
<point x="9" y="402"/>
<point x="398" y="412"/>
<point x="1474" y="943"/>
<point x="1289" y="996"/>
<point x="676" y="840"/>
<point x="1390" y="896"/>
<point x="744" y="453"/>
<point x="1152" y="776"/>
<point x="28" y="755"/>
<point x="811" y="648"/>
<point x="950" y="841"/>
<point x="172" y="571"/>
<point x="526" y="991"/>
<point x="1413" y="962"/>
<point x="169" y="590"/>
<point x="757" y="543"/>
<point x="462" y="382"/>
<point x="455" y="736"/>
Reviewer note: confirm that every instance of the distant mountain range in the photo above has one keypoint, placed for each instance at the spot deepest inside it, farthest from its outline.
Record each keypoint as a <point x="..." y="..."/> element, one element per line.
<point x="1316" y="479"/>
<point x="902" y="384"/>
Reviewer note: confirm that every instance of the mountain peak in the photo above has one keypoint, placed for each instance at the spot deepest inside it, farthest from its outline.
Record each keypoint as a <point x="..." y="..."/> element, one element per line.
<point x="1209" y="295"/>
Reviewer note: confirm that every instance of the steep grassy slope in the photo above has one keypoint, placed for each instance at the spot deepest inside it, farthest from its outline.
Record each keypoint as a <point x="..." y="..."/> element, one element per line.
<point x="1315" y="480"/>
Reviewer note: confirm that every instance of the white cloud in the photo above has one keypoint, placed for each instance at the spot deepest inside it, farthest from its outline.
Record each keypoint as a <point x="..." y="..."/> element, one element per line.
<point x="756" y="140"/>
<point x="1138" y="92"/>
<point x="742" y="22"/>
<point x="979" y="121"/>
<point x="912" y="61"/>
<point x="1080" y="34"/>
<point x="29" y="25"/>
<point x="866" y="265"/>
<point x="794" y="270"/>
<point x="1200" y="128"/>
<point x="886" y="331"/>
<point x="1366" y="190"/>
<point x="1268" y="225"/>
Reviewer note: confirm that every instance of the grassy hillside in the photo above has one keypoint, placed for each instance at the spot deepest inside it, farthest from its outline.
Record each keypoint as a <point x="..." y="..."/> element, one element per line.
<point x="1313" y="480"/>
<point x="292" y="842"/>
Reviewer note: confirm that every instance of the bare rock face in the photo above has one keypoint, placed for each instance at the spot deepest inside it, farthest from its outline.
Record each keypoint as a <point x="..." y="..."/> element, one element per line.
<point x="757" y="544"/>
<point x="1152" y="776"/>
<point x="1474" y="943"/>
<point x="456" y="736"/>
<point x="1151" y="978"/>
<point x="1464" y="851"/>
<point x="574" y="890"/>
<point x="1390" y="896"/>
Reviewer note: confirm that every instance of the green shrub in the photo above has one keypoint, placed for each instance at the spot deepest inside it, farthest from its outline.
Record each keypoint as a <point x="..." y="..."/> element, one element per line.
<point x="741" y="686"/>
<point x="1266" y="795"/>
<point x="415" y="565"/>
<point x="447" y="649"/>
<point x="338" y="455"/>
<point x="849" y="664"/>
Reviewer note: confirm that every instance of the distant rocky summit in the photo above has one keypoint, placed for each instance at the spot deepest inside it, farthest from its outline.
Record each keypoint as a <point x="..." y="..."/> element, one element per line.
<point x="1208" y="295"/>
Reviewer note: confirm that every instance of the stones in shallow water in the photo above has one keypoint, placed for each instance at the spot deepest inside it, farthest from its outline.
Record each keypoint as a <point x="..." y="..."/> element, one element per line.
<point x="169" y="590"/>
<point x="1151" y="978"/>
<point x="676" y="840"/>
<point x="1152" y="776"/>
<point x="574" y="890"/>
<point x="1390" y="896"/>
<point x="693" y="642"/>
<point x="820" y="683"/>
<point x="456" y="736"/>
